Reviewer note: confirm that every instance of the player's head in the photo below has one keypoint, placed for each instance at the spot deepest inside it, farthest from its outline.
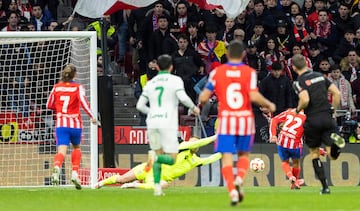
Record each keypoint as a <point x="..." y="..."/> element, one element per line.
<point x="164" y="62"/>
<point x="299" y="63"/>
<point x="235" y="50"/>
<point x="68" y="73"/>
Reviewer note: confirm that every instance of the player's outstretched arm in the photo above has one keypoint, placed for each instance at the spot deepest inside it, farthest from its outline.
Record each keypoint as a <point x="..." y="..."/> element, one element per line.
<point x="212" y="158"/>
<point x="257" y="98"/>
<point x="198" y="143"/>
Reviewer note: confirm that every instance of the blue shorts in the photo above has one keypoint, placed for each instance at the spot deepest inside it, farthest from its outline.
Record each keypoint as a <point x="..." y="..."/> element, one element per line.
<point x="65" y="136"/>
<point x="286" y="154"/>
<point x="234" y="143"/>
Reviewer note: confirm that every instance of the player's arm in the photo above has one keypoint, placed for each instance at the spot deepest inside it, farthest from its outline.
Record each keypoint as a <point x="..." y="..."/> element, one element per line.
<point x="186" y="100"/>
<point x="141" y="104"/>
<point x="335" y="92"/>
<point x="212" y="158"/>
<point x="86" y="105"/>
<point x="50" y="104"/>
<point x="257" y="98"/>
<point x="304" y="100"/>
<point x="197" y="144"/>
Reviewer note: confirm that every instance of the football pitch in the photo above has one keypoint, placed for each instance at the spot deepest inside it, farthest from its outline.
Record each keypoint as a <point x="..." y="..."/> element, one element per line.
<point x="179" y="198"/>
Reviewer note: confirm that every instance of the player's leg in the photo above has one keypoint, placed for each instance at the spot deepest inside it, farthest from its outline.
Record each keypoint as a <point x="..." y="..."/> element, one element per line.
<point x="136" y="173"/>
<point x="169" y="145"/>
<point x="75" y="138"/>
<point x="225" y="144"/>
<point x="62" y="142"/>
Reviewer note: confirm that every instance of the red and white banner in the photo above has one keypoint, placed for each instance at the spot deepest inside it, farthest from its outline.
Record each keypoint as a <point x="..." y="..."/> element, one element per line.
<point x="137" y="135"/>
<point x="232" y="8"/>
<point x="99" y="8"/>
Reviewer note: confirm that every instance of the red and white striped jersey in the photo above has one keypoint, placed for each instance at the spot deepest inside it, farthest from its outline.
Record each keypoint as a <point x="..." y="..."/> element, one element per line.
<point x="66" y="98"/>
<point x="232" y="84"/>
<point x="291" y="133"/>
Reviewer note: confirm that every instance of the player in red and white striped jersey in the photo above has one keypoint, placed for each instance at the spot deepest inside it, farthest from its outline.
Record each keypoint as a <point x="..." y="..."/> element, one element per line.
<point x="290" y="142"/>
<point x="235" y="85"/>
<point x="65" y="99"/>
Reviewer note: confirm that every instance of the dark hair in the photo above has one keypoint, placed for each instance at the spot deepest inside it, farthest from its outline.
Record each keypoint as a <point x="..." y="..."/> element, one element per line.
<point x="235" y="49"/>
<point x="211" y="28"/>
<point x="68" y="73"/>
<point x="183" y="36"/>
<point x="193" y="25"/>
<point x="276" y="66"/>
<point x="164" y="61"/>
<point x="335" y="67"/>
<point x="299" y="61"/>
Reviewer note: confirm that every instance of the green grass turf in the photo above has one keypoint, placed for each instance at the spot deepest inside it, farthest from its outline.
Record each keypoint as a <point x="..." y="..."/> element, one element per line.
<point x="179" y="198"/>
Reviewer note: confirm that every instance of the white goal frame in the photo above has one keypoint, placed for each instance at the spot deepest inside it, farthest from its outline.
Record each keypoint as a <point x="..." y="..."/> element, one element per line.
<point x="91" y="40"/>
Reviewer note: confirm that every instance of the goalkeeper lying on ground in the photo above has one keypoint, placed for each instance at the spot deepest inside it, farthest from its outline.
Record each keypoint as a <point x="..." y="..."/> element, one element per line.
<point x="141" y="177"/>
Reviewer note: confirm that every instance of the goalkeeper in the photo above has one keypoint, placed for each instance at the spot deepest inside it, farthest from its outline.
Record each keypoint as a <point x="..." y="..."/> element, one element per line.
<point x="142" y="177"/>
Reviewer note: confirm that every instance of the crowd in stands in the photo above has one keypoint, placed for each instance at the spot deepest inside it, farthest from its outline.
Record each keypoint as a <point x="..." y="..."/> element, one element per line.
<point x="326" y="32"/>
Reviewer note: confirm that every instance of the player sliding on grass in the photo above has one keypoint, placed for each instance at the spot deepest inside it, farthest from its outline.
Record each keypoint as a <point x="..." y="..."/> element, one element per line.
<point x="186" y="160"/>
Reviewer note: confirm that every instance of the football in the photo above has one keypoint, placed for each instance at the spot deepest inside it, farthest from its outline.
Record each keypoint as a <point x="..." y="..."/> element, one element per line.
<point x="257" y="165"/>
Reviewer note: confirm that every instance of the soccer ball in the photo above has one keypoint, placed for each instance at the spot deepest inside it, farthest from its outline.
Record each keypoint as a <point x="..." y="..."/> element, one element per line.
<point x="257" y="165"/>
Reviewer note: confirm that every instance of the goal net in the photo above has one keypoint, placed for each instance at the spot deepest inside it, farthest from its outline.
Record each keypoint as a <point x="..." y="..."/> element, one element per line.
<point x="30" y="64"/>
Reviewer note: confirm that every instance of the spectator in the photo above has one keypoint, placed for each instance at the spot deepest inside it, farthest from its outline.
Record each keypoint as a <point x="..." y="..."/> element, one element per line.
<point x="315" y="56"/>
<point x="254" y="60"/>
<point x="52" y="5"/>
<point x="260" y="15"/>
<point x="324" y="66"/>
<point x="2" y="9"/>
<point x="271" y="53"/>
<point x="271" y="7"/>
<point x="195" y="36"/>
<point x="187" y="65"/>
<point x="242" y="22"/>
<point x="285" y="7"/>
<point x="277" y="88"/>
<point x="121" y="19"/>
<point x="41" y="18"/>
<point x="301" y="34"/>
<point x="161" y="40"/>
<point x="346" y="97"/>
<point x="313" y="18"/>
<point x="346" y="43"/>
<point x="350" y="66"/>
<point x="226" y="34"/>
<point x="284" y="39"/>
<point x="296" y="49"/>
<point x="182" y="17"/>
<point x="211" y="50"/>
<point x="13" y="22"/>
<point x="239" y="34"/>
<point x="294" y="10"/>
<point x="110" y="35"/>
<point x="307" y="8"/>
<point x="53" y="26"/>
<point x="343" y="19"/>
<point x="258" y="37"/>
<point x="13" y="7"/>
<point x="325" y="34"/>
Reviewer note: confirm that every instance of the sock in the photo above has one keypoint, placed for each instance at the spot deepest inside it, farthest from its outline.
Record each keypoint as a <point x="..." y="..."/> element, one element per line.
<point x="296" y="172"/>
<point x="75" y="159"/>
<point x="165" y="159"/>
<point x="58" y="159"/>
<point x="287" y="169"/>
<point x="157" y="172"/>
<point x="319" y="171"/>
<point x="335" y="151"/>
<point x="227" y="172"/>
<point x="111" y="180"/>
<point x="242" y="166"/>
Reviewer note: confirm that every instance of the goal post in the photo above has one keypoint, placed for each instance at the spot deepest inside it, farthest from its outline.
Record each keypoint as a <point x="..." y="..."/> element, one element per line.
<point x="30" y="64"/>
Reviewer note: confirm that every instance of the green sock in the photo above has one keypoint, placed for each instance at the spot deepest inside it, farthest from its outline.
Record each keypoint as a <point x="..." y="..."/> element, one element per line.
<point x="157" y="172"/>
<point x="165" y="159"/>
<point x="161" y="159"/>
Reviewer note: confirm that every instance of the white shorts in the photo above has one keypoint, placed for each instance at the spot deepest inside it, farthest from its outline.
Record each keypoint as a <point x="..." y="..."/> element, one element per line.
<point x="164" y="138"/>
